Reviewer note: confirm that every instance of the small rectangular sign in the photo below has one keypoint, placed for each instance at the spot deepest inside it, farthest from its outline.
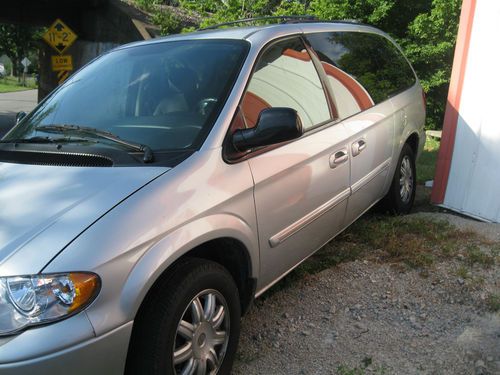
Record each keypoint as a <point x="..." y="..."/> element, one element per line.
<point x="64" y="62"/>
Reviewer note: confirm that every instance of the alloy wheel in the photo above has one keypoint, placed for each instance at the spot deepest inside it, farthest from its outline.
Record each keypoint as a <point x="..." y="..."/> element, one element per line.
<point x="406" y="182"/>
<point x="202" y="335"/>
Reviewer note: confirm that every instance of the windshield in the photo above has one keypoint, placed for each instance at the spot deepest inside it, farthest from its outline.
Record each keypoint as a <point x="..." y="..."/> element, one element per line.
<point x="163" y="95"/>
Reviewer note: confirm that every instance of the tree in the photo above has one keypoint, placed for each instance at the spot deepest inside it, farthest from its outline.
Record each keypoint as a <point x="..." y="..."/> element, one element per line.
<point x="18" y="41"/>
<point x="430" y="45"/>
<point x="426" y="30"/>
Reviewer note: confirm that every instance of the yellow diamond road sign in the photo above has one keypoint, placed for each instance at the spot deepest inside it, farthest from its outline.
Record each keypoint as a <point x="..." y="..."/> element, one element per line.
<point x="59" y="36"/>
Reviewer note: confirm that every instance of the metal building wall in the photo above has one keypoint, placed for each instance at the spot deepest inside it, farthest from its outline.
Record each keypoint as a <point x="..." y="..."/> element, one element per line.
<point x="473" y="185"/>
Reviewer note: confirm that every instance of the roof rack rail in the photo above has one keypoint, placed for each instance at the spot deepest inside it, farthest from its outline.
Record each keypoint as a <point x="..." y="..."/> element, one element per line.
<point x="284" y="19"/>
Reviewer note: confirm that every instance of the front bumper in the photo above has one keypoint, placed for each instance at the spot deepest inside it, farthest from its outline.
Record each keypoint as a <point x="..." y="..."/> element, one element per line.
<point x="68" y="346"/>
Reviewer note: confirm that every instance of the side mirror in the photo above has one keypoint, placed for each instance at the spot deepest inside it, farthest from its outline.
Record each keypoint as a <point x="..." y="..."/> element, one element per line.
<point x="274" y="125"/>
<point x="20" y="116"/>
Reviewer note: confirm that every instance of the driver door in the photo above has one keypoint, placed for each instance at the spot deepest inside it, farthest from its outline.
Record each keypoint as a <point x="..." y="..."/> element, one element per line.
<point x="301" y="187"/>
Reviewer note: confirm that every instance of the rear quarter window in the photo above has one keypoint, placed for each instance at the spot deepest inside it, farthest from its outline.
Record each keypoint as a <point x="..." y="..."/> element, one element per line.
<point x="363" y="69"/>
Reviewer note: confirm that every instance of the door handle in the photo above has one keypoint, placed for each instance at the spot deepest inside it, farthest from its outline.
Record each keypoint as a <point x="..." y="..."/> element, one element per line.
<point x="358" y="146"/>
<point x="338" y="158"/>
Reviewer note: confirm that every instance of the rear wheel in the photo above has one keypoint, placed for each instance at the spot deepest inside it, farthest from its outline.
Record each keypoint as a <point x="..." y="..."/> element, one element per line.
<point x="190" y="323"/>
<point x="399" y="199"/>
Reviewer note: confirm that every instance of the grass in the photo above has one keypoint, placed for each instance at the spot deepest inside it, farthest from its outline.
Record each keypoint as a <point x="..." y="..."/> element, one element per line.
<point x="493" y="302"/>
<point x="344" y="370"/>
<point x="476" y="256"/>
<point x="362" y="369"/>
<point x="426" y="164"/>
<point x="410" y="242"/>
<point x="463" y="272"/>
<point x="415" y="242"/>
<point x="10" y="84"/>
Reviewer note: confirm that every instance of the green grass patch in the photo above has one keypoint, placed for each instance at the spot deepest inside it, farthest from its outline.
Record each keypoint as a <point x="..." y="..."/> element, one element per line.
<point x="426" y="164"/>
<point x="10" y="84"/>
<point x="493" y="302"/>
<point x="344" y="370"/>
<point x="475" y="255"/>
<point x="462" y="272"/>
<point x="407" y="242"/>
<point x="363" y="369"/>
<point x="416" y="242"/>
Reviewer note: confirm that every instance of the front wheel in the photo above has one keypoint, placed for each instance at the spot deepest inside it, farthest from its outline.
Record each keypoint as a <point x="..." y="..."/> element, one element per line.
<point x="399" y="199"/>
<point x="190" y="323"/>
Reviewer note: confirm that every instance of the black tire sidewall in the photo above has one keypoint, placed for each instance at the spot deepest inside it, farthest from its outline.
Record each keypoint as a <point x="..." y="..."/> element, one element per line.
<point x="396" y="204"/>
<point x="158" y="324"/>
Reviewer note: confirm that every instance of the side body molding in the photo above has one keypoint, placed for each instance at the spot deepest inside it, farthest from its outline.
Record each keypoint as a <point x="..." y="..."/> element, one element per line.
<point x="309" y="218"/>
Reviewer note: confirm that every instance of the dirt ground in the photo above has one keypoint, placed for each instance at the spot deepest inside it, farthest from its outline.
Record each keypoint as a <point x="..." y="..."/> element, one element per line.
<point x="371" y="317"/>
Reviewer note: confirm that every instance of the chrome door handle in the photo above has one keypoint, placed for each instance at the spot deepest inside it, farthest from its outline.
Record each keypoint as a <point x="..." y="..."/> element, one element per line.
<point x="338" y="158"/>
<point x="358" y="146"/>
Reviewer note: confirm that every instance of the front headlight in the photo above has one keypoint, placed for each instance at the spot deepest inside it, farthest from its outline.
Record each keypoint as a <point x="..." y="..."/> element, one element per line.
<point x="38" y="299"/>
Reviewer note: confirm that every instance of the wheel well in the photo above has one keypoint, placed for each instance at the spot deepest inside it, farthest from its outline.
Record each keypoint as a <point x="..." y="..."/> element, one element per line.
<point x="233" y="256"/>
<point x="229" y="253"/>
<point x="412" y="141"/>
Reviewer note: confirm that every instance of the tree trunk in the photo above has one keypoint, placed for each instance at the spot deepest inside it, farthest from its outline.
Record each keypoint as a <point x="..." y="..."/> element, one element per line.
<point x="15" y="66"/>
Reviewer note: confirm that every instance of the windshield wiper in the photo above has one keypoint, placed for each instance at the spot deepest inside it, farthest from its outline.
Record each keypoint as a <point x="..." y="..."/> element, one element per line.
<point x="44" y="140"/>
<point x="63" y="128"/>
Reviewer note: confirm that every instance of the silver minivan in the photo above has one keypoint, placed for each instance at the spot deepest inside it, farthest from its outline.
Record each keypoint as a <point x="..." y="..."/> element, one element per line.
<point x="149" y="199"/>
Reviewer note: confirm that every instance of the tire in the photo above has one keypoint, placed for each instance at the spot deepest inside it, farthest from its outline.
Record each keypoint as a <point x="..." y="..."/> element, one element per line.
<point x="399" y="199"/>
<point x="187" y="293"/>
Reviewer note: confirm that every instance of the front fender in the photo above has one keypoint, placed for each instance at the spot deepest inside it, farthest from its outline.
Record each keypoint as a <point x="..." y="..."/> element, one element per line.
<point x="163" y="254"/>
<point x="200" y="200"/>
<point x="127" y="277"/>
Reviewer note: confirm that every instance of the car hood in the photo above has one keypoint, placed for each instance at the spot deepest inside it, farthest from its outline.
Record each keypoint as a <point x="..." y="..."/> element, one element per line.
<point x="43" y="208"/>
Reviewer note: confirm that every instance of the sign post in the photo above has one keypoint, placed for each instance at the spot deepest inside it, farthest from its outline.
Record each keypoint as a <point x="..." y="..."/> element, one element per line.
<point x="26" y="62"/>
<point x="60" y="37"/>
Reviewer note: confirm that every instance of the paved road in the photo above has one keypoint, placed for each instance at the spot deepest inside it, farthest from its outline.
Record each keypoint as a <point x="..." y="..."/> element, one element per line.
<point x="13" y="102"/>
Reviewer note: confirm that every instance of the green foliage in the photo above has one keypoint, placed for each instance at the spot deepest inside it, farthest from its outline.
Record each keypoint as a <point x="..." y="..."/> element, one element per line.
<point x="429" y="45"/>
<point x="168" y="23"/>
<point x="148" y="5"/>
<point x="17" y="42"/>
<point x="426" y="30"/>
<point x="493" y="302"/>
<point x="372" y="11"/>
<point x="286" y="8"/>
<point x="10" y="84"/>
<point x="426" y="164"/>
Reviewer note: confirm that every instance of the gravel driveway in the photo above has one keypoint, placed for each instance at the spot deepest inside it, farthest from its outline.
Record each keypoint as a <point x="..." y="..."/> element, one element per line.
<point x="365" y="317"/>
